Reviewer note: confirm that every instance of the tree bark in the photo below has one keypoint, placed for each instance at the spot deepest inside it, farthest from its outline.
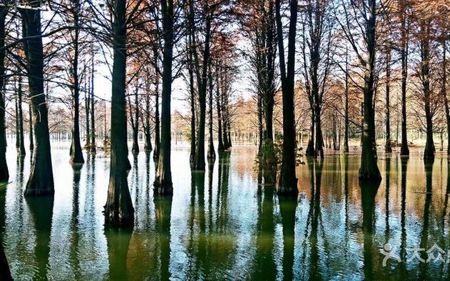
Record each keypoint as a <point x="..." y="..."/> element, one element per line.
<point x="135" y="148"/>
<point x="346" y="114"/>
<point x="388" y="146"/>
<point x="76" y="153"/>
<point x="119" y="211"/>
<point x="404" y="150"/>
<point x="4" y="173"/>
<point x="288" y="179"/>
<point x="163" y="180"/>
<point x="157" y="115"/>
<point x="444" y="92"/>
<point x="21" y="149"/>
<point x="40" y="182"/>
<point x="93" y="143"/>
<point x="369" y="168"/>
<point x="147" y="132"/>
<point x="425" y="79"/>
<point x="211" y="151"/>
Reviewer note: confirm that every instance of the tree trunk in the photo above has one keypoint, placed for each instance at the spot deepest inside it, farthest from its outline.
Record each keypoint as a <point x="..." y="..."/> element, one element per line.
<point x="93" y="143"/>
<point x="404" y="150"/>
<point x="211" y="151"/>
<point x="157" y="116"/>
<point x="221" y="147"/>
<point x="119" y="211"/>
<point x="87" y="104"/>
<point x="444" y="91"/>
<point x="31" y="134"/>
<point x="4" y="173"/>
<point x="163" y="181"/>
<point x="369" y="168"/>
<point x="319" y="136"/>
<point x="76" y="153"/>
<point x="135" y="148"/>
<point x="21" y="151"/>
<point x="288" y="179"/>
<point x="40" y="181"/>
<point x="148" y="136"/>
<point x="425" y="79"/>
<point x="310" y="148"/>
<point x="388" y="146"/>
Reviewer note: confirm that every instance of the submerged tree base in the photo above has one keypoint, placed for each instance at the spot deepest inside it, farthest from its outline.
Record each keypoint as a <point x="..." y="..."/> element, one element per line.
<point x="119" y="211"/>
<point x="163" y="188"/>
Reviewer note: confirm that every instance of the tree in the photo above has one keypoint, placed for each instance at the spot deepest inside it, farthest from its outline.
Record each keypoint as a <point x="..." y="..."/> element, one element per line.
<point x="288" y="179"/>
<point x="119" y="211"/>
<point x="317" y="59"/>
<point x="4" y="173"/>
<point x="40" y="181"/>
<point x="366" y="55"/>
<point x="163" y="179"/>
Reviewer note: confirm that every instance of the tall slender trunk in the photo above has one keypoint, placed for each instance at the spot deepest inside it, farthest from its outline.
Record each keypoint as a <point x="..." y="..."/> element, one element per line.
<point x="76" y="153"/>
<point x="444" y="91"/>
<point x="163" y="179"/>
<point x="369" y="168"/>
<point x="199" y="159"/>
<point x="404" y="150"/>
<point x="148" y="136"/>
<point x="388" y="146"/>
<point x="425" y="79"/>
<point x="31" y="134"/>
<point x="87" y="104"/>
<point x="221" y="146"/>
<point x="40" y="181"/>
<point x="119" y="211"/>
<point x="157" y="115"/>
<point x="346" y="113"/>
<point x="211" y="151"/>
<point x="93" y="143"/>
<point x="191" y="66"/>
<point x="4" y="173"/>
<point x="135" y="148"/>
<point x="21" y="150"/>
<point x="288" y="179"/>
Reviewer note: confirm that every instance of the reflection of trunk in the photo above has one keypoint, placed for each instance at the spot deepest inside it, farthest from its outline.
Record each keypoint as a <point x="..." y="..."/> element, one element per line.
<point x="404" y="58"/>
<point x="41" y="210"/>
<point x="41" y="174"/>
<point x="4" y="173"/>
<point x="118" y="242"/>
<point x="288" y="179"/>
<point x="369" y="169"/>
<point x="119" y="210"/>
<point x="425" y="79"/>
<point x="388" y="146"/>
<point x="163" y="180"/>
<point x="426" y="215"/>
<point x="288" y="206"/>
<point x="163" y="210"/>
<point x="403" y="252"/>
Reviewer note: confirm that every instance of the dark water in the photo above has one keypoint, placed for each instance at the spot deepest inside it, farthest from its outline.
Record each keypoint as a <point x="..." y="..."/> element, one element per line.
<point x="225" y="226"/>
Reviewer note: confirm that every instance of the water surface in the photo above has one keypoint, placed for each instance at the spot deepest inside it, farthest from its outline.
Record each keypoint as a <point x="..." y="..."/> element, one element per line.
<point x="226" y="225"/>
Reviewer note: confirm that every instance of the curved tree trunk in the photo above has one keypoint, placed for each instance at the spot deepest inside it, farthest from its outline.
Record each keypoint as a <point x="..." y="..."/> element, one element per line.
<point x="40" y="181"/>
<point x="119" y="211"/>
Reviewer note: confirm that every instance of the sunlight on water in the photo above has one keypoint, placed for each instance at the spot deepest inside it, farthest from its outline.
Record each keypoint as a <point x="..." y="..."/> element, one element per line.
<point x="225" y="224"/>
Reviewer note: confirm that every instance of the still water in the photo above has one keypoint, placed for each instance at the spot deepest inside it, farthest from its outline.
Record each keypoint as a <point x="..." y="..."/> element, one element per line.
<point x="226" y="225"/>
